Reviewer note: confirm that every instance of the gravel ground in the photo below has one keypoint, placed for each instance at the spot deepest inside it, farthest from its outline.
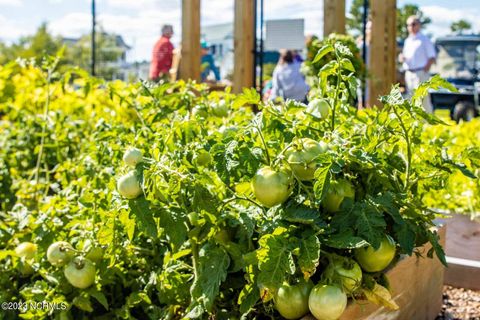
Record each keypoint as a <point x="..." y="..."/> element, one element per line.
<point x="459" y="303"/>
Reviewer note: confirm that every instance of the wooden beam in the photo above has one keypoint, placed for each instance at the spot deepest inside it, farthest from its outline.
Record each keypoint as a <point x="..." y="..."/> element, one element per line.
<point x="382" y="50"/>
<point x="244" y="35"/>
<point x="191" y="53"/>
<point x="333" y="17"/>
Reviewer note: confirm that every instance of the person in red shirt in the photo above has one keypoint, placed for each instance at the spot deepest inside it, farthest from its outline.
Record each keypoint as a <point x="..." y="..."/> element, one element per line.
<point x="162" y="54"/>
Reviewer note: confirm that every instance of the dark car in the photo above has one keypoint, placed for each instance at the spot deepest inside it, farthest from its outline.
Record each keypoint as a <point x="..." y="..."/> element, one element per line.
<point x="457" y="61"/>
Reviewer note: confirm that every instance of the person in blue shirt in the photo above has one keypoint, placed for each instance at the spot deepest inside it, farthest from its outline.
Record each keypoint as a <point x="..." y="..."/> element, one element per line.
<point x="287" y="80"/>
<point x="208" y="64"/>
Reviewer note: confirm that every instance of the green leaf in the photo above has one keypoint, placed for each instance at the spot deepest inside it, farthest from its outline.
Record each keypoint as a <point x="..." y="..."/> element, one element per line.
<point x="322" y="52"/>
<point x="436" y="247"/>
<point x="83" y="303"/>
<point x="370" y="224"/>
<point x="99" y="296"/>
<point x="322" y="182"/>
<point x="213" y="264"/>
<point x="345" y="240"/>
<point x="296" y="213"/>
<point x="435" y="82"/>
<point x="144" y="216"/>
<point x="275" y="259"/>
<point x="173" y="224"/>
<point x="248" y="297"/>
<point x="347" y="64"/>
<point x="309" y="255"/>
<point x="249" y="96"/>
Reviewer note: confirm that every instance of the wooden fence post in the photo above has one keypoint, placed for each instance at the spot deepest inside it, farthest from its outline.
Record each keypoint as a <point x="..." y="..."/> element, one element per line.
<point x="244" y="35"/>
<point x="191" y="53"/>
<point x="382" y="66"/>
<point x="333" y="17"/>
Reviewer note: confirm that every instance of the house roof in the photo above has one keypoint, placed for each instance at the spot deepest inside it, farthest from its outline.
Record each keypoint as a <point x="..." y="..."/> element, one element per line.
<point x="118" y="41"/>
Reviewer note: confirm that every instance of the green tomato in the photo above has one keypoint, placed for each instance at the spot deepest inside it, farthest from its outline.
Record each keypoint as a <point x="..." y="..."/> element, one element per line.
<point x="80" y="273"/>
<point x="271" y="187"/>
<point x="128" y="185"/>
<point x="222" y="236"/>
<point x="301" y="157"/>
<point x="372" y="260"/>
<point x="132" y="157"/>
<point x="26" y="250"/>
<point x="220" y="109"/>
<point x="318" y="108"/>
<point x="292" y="301"/>
<point x="347" y="273"/>
<point x="337" y="192"/>
<point x="59" y="253"/>
<point x="327" y="302"/>
<point x="203" y="158"/>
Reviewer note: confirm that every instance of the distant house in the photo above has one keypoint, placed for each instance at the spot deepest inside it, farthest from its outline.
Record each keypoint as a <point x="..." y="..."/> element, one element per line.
<point x="220" y="39"/>
<point x="121" y="65"/>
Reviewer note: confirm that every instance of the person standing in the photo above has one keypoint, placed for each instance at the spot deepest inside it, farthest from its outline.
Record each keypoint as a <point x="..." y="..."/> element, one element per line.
<point x="208" y="63"/>
<point x="417" y="57"/>
<point x="287" y="80"/>
<point x="162" y="55"/>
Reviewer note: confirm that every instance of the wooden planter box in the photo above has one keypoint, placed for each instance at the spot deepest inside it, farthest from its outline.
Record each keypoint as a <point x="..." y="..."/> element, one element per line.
<point x="417" y="285"/>
<point x="463" y="252"/>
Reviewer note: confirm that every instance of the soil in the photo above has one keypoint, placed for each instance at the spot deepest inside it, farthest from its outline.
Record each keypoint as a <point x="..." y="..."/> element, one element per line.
<point x="459" y="303"/>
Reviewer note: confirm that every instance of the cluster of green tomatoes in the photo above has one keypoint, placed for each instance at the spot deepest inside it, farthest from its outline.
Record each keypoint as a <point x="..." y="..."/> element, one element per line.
<point x="79" y="266"/>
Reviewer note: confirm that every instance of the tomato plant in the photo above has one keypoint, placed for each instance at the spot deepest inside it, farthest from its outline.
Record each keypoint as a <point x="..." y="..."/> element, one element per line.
<point x="213" y="213"/>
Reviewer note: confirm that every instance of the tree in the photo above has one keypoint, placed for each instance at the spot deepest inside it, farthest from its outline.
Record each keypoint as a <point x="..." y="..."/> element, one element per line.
<point x="460" y="26"/>
<point x="34" y="46"/>
<point x="77" y="53"/>
<point x="355" y="18"/>
<point x="107" y="53"/>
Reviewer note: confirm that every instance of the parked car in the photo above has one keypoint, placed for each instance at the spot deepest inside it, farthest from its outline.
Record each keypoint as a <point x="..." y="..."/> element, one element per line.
<point x="458" y="62"/>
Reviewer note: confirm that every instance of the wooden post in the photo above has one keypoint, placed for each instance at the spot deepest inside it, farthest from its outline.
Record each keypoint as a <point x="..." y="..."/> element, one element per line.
<point x="333" y="17"/>
<point x="191" y="53"/>
<point x="382" y="71"/>
<point x="244" y="35"/>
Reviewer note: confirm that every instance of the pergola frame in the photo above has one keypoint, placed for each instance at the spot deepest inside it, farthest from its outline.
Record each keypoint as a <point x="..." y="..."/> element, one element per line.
<point x="382" y="46"/>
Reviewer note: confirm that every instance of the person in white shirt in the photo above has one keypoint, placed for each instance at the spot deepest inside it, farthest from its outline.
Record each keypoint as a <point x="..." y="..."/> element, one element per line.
<point x="287" y="80"/>
<point x="417" y="56"/>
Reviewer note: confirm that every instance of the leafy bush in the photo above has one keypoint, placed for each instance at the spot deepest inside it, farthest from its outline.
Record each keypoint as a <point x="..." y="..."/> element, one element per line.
<point x="210" y="235"/>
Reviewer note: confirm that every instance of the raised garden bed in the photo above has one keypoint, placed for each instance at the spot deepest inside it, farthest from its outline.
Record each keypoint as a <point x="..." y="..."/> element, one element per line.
<point x="417" y="285"/>
<point x="463" y="252"/>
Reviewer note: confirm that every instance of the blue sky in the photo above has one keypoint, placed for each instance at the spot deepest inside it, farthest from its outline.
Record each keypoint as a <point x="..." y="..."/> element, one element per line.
<point x="138" y="21"/>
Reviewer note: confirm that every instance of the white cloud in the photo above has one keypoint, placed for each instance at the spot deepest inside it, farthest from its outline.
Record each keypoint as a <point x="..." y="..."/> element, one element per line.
<point x="443" y="17"/>
<point x="143" y="4"/>
<point x="11" y="3"/>
<point x="11" y="30"/>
